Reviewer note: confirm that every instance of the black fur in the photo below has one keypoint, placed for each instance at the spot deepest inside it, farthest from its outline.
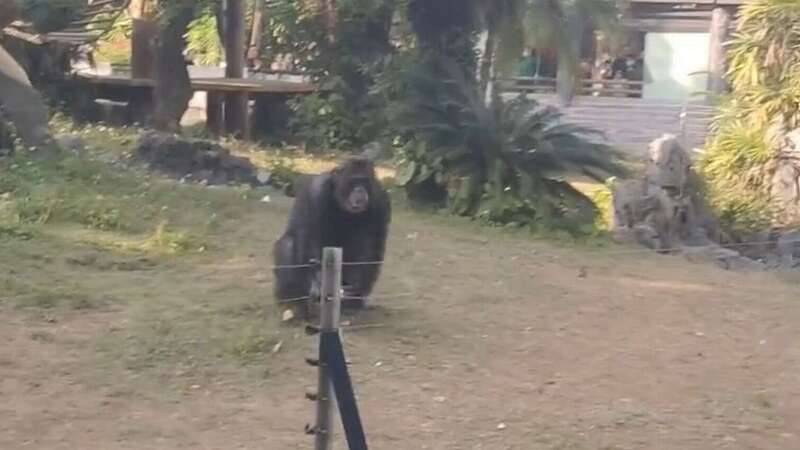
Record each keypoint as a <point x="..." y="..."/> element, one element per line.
<point x="319" y="219"/>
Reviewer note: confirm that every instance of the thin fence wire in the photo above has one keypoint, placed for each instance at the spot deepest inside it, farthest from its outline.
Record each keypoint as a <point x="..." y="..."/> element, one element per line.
<point x="294" y="300"/>
<point x="379" y="297"/>
<point x="293" y="266"/>
<point x="695" y="247"/>
<point x="601" y="251"/>
<point x="363" y="263"/>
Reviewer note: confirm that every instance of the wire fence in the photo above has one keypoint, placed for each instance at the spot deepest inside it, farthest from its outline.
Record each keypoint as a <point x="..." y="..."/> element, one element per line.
<point x="603" y="252"/>
<point x="729" y="246"/>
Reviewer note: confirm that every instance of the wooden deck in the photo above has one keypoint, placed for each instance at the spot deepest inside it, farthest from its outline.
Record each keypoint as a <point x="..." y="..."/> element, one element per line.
<point x="211" y="84"/>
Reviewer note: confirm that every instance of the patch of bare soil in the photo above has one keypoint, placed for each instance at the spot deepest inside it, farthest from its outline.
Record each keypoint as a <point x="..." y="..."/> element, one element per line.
<point x="496" y="343"/>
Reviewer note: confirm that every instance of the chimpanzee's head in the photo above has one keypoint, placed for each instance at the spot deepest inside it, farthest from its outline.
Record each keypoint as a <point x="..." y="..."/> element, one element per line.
<point x="352" y="184"/>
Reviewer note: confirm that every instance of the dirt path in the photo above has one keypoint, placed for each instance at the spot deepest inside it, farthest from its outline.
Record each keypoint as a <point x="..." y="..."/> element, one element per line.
<point x="500" y="343"/>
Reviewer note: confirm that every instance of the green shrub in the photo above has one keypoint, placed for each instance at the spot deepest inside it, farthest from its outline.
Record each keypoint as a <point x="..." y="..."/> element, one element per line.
<point x="51" y="15"/>
<point x="740" y="156"/>
<point x="497" y="162"/>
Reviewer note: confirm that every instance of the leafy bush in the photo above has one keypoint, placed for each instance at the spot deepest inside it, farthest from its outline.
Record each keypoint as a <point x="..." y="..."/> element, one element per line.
<point x="202" y="39"/>
<point x="51" y="15"/>
<point x="764" y="72"/>
<point x="737" y="167"/>
<point x="344" y="115"/>
<point x="497" y="162"/>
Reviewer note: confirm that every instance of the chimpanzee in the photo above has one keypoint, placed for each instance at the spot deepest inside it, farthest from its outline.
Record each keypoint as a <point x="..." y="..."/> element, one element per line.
<point x="345" y="208"/>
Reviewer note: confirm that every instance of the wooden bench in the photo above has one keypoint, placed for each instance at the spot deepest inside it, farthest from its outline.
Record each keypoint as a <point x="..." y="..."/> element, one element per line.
<point x="137" y="93"/>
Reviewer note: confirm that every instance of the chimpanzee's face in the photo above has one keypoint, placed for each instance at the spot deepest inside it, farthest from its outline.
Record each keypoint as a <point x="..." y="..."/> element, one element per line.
<point x="352" y="184"/>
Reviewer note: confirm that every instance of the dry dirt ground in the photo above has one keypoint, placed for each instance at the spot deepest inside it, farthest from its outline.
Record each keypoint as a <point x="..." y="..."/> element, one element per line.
<point x="477" y="339"/>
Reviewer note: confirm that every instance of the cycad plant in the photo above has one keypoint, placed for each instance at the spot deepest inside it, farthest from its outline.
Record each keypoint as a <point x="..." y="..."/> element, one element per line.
<point x="498" y="161"/>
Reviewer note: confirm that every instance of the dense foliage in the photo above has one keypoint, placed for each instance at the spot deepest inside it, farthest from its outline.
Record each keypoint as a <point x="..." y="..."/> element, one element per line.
<point x="51" y="15"/>
<point x="765" y="76"/>
<point x="202" y="40"/>
<point x="345" y="115"/>
<point x="500" y="161"/>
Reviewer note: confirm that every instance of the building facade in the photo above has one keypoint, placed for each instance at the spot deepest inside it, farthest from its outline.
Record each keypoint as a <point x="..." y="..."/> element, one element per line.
<point x="683" y="45"/>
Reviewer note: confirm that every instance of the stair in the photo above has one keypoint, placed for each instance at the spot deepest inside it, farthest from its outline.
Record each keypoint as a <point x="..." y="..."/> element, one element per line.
<point x="630" y="124"/>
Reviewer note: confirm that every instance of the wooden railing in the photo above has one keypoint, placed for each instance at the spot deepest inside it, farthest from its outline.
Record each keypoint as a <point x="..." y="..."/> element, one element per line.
<point x="600" y="88"/>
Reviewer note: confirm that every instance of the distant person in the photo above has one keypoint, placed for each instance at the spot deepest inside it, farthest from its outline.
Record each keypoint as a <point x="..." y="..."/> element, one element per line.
<point x="618" y="68"/>
<point x="527" y="65"/>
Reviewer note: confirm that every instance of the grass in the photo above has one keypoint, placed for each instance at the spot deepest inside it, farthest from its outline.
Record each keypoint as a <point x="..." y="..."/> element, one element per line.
<point x="95" y="232"/>
<point x="109" y="236"/>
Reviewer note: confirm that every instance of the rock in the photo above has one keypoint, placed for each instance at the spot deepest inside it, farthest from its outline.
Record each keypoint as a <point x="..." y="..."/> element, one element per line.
<point x="722" y="257"/>
<point x="667" y="212"/>
<point x="71" y="143"/>
<point x="788" y="249"/>
<point x="195" y="159"/>
<point x="264" y="177"/>
<point x="669" y="163"/>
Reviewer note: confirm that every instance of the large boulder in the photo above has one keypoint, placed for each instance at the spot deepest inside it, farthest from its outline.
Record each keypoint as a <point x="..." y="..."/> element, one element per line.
<point x="195" y="159"/>
<point x="666" y="210"/>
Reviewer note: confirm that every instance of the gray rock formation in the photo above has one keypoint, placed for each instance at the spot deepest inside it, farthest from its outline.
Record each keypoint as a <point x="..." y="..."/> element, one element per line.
<point x="666" y="211"/>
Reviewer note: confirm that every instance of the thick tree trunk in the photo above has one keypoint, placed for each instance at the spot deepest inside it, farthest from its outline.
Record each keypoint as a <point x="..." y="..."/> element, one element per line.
<point x="720" y="24"/>
<point x="23" y="105"/>
<point x="235" y="102"/>
<point x="145" y="32"/>
<point x="173" y="86"/>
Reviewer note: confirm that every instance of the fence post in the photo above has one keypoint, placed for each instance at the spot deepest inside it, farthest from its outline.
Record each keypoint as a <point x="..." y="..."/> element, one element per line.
<point x="330" y="303"/>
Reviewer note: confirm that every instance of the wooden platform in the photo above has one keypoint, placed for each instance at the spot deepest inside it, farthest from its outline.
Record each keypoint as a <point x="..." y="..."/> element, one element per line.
<point x="211" y="84"/>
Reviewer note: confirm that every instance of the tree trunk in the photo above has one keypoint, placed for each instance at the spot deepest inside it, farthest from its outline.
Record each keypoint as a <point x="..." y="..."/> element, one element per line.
<point x="256" y="31"/>
<point x="329" y="12"/>
<point x="720" y="24"/>
<point x="235" y="102"/>
<point x="487" y="65"/>
<point x="145" y="31"/>
<point x="23" y="105"/>
<point x="568" y="62"/>
<point x="173" y="87"/>
<point x="222" y="6"/>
